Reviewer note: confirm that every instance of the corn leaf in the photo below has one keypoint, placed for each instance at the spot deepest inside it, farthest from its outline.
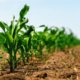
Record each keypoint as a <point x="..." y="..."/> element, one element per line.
<point x="24" y="11"/>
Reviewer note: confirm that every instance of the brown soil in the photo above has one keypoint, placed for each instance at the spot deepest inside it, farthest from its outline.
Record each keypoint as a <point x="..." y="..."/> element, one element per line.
<point x="59" y="66"/>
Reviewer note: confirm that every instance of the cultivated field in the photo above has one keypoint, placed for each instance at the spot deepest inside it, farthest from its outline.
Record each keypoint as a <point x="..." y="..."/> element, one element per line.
<point x="58" y="66"/>
<point x="28" y="54"/>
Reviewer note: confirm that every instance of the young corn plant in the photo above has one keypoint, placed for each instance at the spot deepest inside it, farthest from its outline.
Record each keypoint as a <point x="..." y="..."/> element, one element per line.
<point x="9" y="38"/>
<point x="37" y="44"/>
<point x="25" y="48"/>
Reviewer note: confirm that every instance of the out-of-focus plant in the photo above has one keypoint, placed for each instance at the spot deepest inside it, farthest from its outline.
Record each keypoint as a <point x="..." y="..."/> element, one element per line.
<point x="25" y="47"/>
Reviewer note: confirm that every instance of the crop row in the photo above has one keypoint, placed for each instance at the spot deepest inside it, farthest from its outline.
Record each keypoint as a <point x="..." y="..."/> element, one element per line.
<point x="24" y="39"/>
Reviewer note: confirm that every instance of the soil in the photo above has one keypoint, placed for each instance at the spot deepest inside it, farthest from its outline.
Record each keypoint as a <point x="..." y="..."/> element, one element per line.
<point x="60" y="65"/>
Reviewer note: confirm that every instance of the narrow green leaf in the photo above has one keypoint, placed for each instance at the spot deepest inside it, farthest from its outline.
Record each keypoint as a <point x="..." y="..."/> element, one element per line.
<point x="2" y="38"/>
<point x="4" y="26"/>
<point x="9" y="37"/>
<point x="24" y="11"/>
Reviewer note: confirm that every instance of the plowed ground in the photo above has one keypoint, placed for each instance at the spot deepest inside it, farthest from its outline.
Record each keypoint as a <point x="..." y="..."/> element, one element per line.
<point x="59" y="66"/>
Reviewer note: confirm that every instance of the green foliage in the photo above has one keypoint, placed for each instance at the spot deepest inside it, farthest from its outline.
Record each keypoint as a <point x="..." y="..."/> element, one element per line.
<point x="24" y="11"/>
<point x="10" y="37"/>
<point x="56" y="39"/>
<point x="22" y="38"/>
<point x="26" y="45"/>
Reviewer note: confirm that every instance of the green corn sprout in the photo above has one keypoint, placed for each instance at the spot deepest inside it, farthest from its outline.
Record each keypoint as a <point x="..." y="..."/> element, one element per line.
<point x="10" y="36"/>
